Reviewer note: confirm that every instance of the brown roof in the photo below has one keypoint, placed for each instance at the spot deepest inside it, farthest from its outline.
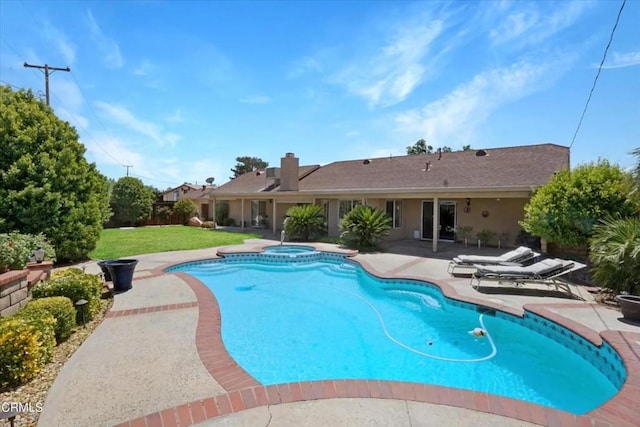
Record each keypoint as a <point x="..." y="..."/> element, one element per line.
<point x="511" y="167"/>
<point x="257" y="181"/>
<point x="199" y="193"/>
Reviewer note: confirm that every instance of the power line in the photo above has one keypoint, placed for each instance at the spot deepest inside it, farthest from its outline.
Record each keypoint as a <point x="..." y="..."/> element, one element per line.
<point x="9" y="84"/>
<point x="604" y="56"/>
<point x="95" y="115"/>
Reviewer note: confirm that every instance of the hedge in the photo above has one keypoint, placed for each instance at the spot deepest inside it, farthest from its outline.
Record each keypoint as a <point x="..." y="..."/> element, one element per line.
<point x="74" y="284"/>
<point x="62" y="309"/>
<point x="27" y="340"/>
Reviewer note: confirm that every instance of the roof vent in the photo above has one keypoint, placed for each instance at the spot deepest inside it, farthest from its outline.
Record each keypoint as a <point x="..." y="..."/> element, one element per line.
<point x="289" y="155"/>
<point x="366" y="161"/>
<point x="481" y="153"/>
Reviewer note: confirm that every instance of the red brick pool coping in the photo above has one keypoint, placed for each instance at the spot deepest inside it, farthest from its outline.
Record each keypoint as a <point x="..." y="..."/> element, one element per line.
<point x="245" y="392"/>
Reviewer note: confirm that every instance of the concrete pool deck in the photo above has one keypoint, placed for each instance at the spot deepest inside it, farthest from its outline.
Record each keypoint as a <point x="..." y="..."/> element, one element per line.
<point x="158" y="360"/>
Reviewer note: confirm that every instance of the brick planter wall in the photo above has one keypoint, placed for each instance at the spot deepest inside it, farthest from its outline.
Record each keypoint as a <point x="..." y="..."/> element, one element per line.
<point x="14" y="292"/>
<point x="15" y="286"/>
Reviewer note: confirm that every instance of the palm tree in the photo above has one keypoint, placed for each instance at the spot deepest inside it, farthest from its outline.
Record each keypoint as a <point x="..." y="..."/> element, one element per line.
<point x="363" y="227"/>
<point x="304" y="222"/>
<point x="615" y="252"/>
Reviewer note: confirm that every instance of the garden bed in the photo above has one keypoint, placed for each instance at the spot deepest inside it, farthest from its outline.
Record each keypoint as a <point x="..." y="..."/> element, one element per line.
<point x="35" y="391"/>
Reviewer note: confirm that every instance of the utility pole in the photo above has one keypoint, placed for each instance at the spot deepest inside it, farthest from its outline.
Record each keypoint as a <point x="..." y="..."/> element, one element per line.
<point x="47" y="70"/>
<point x="127" y="166"/>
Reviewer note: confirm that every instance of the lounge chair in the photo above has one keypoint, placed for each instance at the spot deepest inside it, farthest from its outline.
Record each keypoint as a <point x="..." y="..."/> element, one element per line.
<point x="547" y="272"/>
<point x="518" y="255"/>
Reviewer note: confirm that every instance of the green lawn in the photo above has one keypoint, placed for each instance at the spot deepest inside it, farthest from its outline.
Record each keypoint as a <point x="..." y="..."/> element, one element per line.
<point x="119" y="243"/>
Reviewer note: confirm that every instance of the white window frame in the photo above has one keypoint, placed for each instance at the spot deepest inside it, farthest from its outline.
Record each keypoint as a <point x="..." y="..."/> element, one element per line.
<point x="353" y="203"/>
<point x="396" y="214"/>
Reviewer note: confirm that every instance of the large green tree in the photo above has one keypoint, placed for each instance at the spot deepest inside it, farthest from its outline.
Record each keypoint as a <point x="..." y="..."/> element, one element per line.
<point x="46" y="184"/>
<point x="566" y="209"/>
<point x="247" y="164"/>
<point x="131" y="201"/>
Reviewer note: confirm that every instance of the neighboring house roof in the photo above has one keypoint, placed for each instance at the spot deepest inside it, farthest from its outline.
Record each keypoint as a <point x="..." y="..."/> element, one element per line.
<point x="183" y="187"/>
<point x="257" y="181"/>
<point x="520" y="167"/>
<point x="199" y="193"/>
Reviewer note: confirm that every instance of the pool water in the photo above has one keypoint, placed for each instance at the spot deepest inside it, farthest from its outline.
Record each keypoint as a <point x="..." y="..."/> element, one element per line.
<point x="289" y="249"/>
<point x="285" y="322"/>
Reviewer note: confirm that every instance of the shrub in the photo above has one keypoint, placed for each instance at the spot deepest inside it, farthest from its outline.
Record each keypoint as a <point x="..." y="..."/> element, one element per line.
<point x="566" y="209"/>
<point x="304" y="222"/>
<point x="185" y="208"/>
<point x="27" y="340"/>
<point x="17" y="248"/>
<point x="363" y="227"/>
<point x="222" y="212"/>
<point x="487" y="237"/>
<point x="615" y="253"/>
<point x="74" y="284"/>
<point x="464" y="232"/>
<point x="62" y="309"/>
<point x="229" y="222"/>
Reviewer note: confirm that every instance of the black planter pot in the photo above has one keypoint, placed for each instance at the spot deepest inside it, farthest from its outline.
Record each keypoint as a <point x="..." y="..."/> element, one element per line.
<point x="121" y="271"/>
<point x="630" y="306"/>
<point x="105" y="270"/>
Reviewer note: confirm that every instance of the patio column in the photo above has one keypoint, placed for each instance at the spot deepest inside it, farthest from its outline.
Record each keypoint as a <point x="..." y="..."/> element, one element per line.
<point x="436" y="224"/>
<point x="273" y="216"/>
<point x="241" y="214"/>
<point x="212" y="206"/>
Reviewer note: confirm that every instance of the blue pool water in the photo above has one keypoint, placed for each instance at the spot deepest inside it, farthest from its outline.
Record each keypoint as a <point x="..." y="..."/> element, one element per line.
<point x="285" y="321"/>
<point x="289" y="249"/>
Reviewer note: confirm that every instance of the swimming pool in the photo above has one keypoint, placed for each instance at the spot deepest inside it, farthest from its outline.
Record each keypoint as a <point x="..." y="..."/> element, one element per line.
<point x="322" y="317"/>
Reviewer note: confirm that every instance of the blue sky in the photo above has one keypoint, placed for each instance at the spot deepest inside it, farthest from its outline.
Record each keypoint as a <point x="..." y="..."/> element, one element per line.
<point x="178" y="90"/>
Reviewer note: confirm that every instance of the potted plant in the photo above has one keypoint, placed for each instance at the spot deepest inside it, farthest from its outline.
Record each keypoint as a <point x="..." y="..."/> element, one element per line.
<point x="615" y="252"/>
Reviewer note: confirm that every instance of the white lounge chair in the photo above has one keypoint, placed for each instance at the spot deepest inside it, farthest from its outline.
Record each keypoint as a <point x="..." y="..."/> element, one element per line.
<point x="518" y="255"/>
<point x="547" y="272"/>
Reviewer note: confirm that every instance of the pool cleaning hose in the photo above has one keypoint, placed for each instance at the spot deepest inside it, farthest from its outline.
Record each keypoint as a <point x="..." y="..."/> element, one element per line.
<point x="493" y="353"/>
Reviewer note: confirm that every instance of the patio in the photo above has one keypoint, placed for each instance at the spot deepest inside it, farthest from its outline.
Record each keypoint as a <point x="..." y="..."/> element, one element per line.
<point x="158" y="359"/>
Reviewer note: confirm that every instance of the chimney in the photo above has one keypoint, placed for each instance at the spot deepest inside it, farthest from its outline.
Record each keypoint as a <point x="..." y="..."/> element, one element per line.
<point x="289" y="172"/>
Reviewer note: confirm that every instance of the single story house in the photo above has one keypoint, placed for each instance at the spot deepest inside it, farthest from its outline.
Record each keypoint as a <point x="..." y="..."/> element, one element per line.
<point x="428" y="196"/>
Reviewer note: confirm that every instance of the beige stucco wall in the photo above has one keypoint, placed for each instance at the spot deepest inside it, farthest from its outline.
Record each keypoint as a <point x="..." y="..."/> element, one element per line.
<point x="503" y="215"/>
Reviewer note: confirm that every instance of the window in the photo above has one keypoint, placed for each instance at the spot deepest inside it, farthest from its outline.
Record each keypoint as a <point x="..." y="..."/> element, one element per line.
<point x="175" y="195"/>
<point x="258" y="213"/>
<point x="345" y="206"/>
<point x="394" y="210"/>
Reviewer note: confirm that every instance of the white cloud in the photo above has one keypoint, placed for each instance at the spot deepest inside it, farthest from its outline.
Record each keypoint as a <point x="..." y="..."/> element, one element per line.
<point x="110" y="150"/>
<point x="123" y="116"/>
<point x="108" y="46"/>
<point x="62" y="45"/>
<point x="390" y="74"/>
<point x="257" y="99"/>
<point x="455" y="116"/>
<point x="530" y="24"/>
<point x="352" y="133"/>
<point x="144" y="68"/>
<point x="620" y="60"/>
